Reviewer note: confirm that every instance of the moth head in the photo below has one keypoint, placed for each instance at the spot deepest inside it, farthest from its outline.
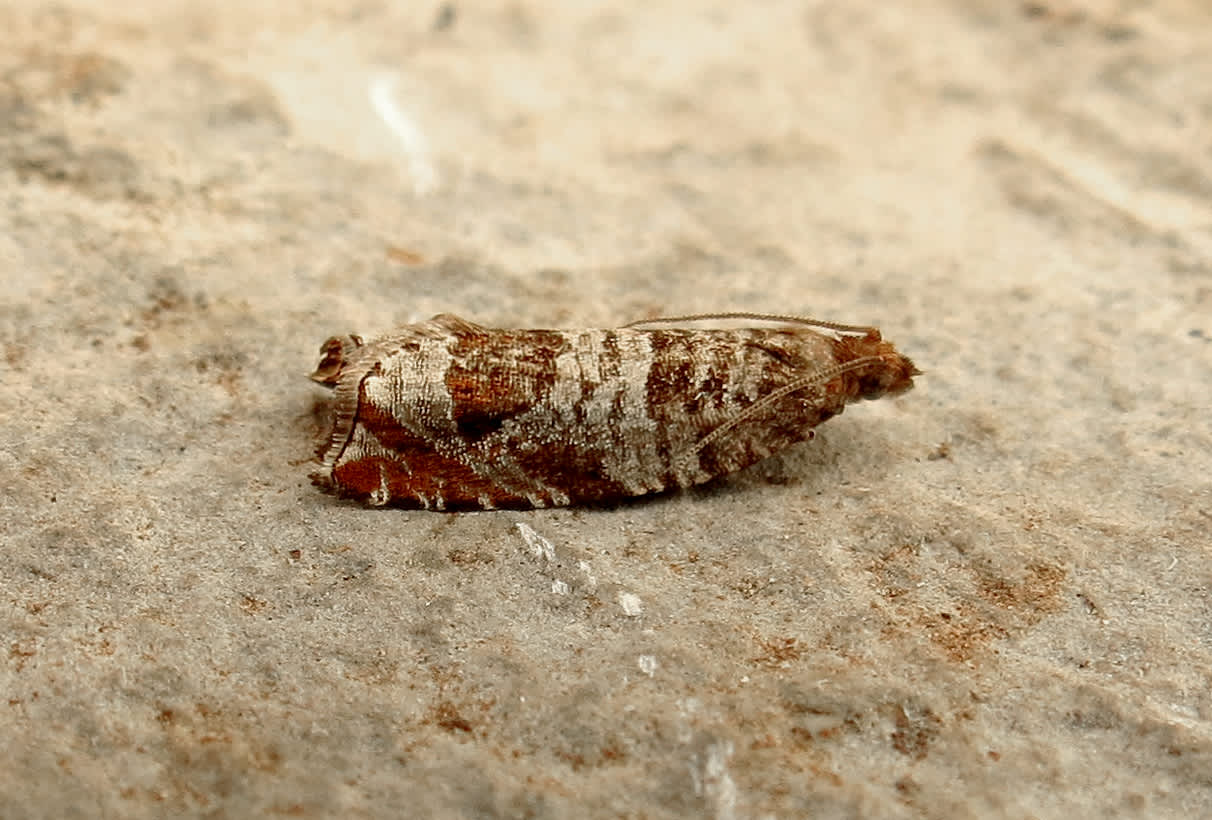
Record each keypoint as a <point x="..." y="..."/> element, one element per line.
<point x="890" y="372"/>
<point x="334" y="355"/>
<point x="896" y="376"/>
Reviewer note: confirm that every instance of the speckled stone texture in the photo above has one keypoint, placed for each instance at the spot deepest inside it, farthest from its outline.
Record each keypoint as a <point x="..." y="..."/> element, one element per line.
<point x="988" y="597"/>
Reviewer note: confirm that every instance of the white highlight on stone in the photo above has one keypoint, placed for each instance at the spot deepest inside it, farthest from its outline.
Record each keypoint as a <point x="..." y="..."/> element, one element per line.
<point x="540" y="547"/>
<point x="647" y="664"/>
<point x="631" y="604"/>
<point x="718" y="786"/>
<point x="591" y="580"/>
<point x="558" y="587"/>
<point x="416" y="149"/>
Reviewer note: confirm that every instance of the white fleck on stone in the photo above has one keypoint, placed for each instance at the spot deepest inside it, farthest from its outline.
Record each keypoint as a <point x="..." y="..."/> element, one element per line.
<point x="631" y="604"/>
<point x="405" y="129"/>
<point x="558" y="587"/>
<point x="540" y="547"/>
<point x="591" y="580"/>
<point x="718" y="785"/>
<point x="647" y="664"/>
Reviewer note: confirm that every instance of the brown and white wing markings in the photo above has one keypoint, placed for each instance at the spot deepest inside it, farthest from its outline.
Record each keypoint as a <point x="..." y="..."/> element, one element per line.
<point x="446" y="414"/>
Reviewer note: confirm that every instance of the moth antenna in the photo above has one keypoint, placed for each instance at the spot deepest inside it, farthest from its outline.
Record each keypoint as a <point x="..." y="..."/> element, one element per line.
<point x="787" y="319"/>
<point x="819" y="377"/>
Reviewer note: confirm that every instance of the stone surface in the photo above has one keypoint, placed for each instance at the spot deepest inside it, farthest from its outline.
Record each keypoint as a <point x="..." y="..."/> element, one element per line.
<point x="989" y="597"/>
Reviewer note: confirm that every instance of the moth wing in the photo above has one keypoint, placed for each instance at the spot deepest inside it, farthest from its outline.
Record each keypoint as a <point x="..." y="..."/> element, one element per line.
<point x="493" y="376"/>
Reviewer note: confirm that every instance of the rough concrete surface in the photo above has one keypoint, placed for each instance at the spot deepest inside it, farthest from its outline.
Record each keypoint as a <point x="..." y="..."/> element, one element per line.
<point x="991" y="597"/>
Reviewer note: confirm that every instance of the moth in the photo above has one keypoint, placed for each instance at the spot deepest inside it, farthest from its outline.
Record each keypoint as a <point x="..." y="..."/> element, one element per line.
<point x="446" y="414"/>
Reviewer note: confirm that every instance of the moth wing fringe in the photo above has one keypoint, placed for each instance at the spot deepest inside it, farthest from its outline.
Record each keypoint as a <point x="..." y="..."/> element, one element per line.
<point x="344" y="421"/>
<point x="450" y="323"/>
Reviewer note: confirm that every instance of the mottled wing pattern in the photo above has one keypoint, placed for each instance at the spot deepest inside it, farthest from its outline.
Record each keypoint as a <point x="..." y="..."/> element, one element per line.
<point x="452" y="415"/>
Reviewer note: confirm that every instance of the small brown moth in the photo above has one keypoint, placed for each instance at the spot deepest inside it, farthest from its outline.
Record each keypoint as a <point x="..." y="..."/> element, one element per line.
<point x="446" y="414"/>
